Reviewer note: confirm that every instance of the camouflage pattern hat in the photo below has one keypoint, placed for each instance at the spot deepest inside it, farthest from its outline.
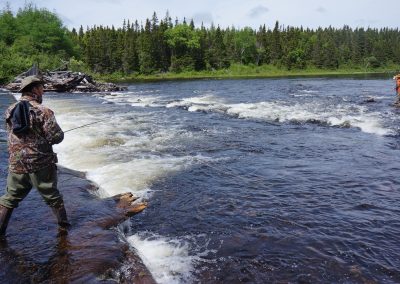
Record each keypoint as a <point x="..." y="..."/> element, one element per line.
<point x="27" y="81"/>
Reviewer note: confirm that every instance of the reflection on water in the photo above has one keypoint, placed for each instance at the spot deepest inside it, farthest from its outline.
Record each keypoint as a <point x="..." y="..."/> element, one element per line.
<point x="249" y="180"/>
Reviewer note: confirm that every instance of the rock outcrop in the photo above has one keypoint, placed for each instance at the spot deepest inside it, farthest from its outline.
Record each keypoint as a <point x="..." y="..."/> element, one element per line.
<point x="93" y="250"/>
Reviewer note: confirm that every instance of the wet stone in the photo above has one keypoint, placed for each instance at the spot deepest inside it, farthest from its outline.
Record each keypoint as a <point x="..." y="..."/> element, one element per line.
<point x="92" y="250"/>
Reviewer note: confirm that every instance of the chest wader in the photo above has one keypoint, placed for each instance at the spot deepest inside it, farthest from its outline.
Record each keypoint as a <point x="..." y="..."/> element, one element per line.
<point x="61" y="216"/>
<point x="5" y="214"/>
<point x="59" y="212"/>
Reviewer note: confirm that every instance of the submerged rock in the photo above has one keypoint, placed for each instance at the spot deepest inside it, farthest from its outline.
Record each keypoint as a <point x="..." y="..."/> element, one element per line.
<point x="370" y="100"/>
<point x="91" y="251"/>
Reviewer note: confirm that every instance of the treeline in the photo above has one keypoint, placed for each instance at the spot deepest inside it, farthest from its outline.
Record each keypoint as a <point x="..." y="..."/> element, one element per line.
<point x="37" y="36"/>
<point x="32" y="36"/>
<point x="161" y="46"/>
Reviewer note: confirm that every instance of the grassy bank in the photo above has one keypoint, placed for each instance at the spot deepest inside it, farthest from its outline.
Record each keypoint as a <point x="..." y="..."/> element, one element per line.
<point x="246" y="71"/>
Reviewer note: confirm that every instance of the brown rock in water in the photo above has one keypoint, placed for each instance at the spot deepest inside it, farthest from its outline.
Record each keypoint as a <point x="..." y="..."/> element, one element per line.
<point x="36" y="251"/>
<point x="126" y="202"/>
<point x="125" y="207"/>
<point x="135" y="209"/>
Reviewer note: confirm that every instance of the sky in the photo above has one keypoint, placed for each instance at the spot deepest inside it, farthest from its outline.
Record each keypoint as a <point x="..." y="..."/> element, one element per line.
<point x="225" y="13"/>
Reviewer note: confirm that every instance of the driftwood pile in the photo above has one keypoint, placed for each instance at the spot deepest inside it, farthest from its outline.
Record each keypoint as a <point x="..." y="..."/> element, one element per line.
<point x="65" y="81"/>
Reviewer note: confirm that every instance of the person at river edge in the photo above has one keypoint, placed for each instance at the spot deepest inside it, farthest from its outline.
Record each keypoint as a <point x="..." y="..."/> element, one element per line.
<point x="397" y="78"/>
<point x="32" y="130"/>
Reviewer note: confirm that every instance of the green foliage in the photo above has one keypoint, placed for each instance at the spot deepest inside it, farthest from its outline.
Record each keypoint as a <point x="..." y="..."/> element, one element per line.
<point x="77" y="65"/>
<point x="216" y="53"/>
<point x="182" y="64"/>
<point x="146" y="62"/>
<point x="44" y="28"/>
<point x="31" y="36"/>
<point x="37" y="36"/>
<point x="184" y="43"/>
<point x="11" y="64"/>
<point x="295" y="59"/>
<point x="182" y="38"/>
<point x="7" y="27"/>
<point x="245" y="46"/>
<point x="372" y="62"/>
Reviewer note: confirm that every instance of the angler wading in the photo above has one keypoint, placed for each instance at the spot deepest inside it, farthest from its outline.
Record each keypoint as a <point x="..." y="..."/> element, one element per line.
<point x="32" y="130"/>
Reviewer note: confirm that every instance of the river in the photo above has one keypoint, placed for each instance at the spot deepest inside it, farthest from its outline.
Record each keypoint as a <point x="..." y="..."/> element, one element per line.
<point x="258" y="181"/>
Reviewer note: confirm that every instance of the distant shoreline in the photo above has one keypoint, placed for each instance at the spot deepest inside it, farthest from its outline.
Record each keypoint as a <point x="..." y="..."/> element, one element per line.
<point x="243" y="73"/>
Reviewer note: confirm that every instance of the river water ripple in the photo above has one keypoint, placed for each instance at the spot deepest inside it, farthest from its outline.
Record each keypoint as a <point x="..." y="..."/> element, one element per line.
<point x="259" y="181"/>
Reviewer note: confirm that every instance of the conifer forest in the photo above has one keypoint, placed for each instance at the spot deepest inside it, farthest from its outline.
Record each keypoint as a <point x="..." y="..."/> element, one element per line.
<point x="160" y="45"/>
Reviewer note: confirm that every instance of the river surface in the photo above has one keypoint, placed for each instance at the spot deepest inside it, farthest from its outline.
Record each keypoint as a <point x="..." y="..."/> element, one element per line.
<point x="248" y="181"/>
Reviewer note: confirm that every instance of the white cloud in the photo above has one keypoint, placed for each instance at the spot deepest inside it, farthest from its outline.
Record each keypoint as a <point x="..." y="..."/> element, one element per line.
<point x="258" y="11"/>
<point x="203" y="17"/>
<point x="238" y="13"/>
<point x="366" y="23"/>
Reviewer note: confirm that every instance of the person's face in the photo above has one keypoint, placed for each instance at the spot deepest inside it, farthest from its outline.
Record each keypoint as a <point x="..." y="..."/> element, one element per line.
<point x="38" y="90"/>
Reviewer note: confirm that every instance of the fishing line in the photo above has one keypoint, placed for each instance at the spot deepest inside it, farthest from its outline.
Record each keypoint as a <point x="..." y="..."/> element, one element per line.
<point x="86" y="125"/>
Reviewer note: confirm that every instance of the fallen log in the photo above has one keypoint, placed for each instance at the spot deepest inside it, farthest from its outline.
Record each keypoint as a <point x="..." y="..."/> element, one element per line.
<point x="65" y="82"/>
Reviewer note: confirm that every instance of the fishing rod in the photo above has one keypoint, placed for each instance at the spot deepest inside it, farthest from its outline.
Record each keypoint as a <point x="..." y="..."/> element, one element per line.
<point x="86" y="125"/>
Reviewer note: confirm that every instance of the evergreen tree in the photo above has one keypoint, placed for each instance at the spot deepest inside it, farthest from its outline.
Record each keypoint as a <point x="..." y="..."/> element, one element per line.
<point x="276" y="47"/>
<point x="36" y="35"/>
<point x="216" y="56"/>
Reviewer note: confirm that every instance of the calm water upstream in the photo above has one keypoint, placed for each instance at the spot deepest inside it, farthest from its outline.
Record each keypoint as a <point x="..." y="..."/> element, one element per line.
<point x="258" y="181"/>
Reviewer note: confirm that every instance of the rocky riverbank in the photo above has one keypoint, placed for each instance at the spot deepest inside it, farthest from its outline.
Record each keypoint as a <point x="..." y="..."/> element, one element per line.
<point x="94" y="250"/>
<point x="64" y="81"/>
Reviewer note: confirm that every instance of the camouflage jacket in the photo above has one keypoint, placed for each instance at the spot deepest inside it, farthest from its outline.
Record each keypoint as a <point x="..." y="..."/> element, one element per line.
<point x="33" y="151"/>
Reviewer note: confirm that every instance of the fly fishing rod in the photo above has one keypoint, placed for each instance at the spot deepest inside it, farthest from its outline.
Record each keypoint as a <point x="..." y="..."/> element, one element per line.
<point x="85" y="125"/>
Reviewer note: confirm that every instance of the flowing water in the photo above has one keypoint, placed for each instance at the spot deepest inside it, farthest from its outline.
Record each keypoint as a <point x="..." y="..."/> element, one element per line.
<point x="259" y="181"/>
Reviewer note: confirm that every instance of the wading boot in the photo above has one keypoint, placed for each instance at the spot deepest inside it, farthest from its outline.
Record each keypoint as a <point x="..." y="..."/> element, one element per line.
<point x="5" y="214"/>
<point x="61" y="216"/>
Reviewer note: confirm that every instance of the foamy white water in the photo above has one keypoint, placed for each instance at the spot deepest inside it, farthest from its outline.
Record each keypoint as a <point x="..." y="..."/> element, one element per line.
<point x="139" y="98"/>
<point x="127" y="153"/>
<point x="275" y="111"/>
<point x="279" y="111"/>
<point x="119" y="154"/>
<point x="167" y="259"/>
<point x="115" y="173"/>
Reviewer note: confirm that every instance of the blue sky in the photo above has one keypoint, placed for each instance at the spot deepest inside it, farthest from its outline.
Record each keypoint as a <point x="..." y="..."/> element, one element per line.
<point x="239" y="13"/>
